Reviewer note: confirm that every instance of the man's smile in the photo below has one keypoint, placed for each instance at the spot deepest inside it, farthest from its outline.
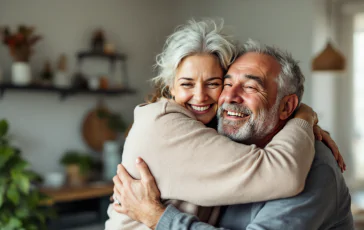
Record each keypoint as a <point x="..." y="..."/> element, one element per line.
<point x="233" y="115"/>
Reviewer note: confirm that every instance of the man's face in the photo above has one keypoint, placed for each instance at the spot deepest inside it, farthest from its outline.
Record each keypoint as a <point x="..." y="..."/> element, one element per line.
<point x="248" y="103"/>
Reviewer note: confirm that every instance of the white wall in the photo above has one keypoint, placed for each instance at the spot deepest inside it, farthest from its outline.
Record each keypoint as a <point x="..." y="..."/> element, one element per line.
<point x="44" y="126"/>
<point x="284" y="23"/>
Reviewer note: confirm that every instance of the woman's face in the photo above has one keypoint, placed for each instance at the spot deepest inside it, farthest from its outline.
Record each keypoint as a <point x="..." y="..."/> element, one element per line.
<point x="198" y="85"/>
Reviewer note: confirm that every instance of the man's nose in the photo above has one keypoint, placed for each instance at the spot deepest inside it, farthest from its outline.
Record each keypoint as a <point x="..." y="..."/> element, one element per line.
<point x="233" y="95"/>
<point x="200" y="94"/>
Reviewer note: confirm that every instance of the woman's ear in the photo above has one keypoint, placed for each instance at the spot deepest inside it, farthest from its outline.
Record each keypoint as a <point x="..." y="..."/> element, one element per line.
<point x="171" y="90"/>
<point x="287" y="106"/>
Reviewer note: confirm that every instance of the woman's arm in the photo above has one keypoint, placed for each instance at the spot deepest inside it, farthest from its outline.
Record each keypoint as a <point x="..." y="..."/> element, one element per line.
<point x="195" y="164"/>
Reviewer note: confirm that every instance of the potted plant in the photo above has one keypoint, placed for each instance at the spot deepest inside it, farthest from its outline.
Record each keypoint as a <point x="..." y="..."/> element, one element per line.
<point x="20" y="48"/>
<point x="20" y="202"/>
<point x="78" y="167"/>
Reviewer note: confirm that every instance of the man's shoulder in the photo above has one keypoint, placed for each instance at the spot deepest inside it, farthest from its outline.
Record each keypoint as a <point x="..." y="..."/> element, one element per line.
<point x="324" y="156"/>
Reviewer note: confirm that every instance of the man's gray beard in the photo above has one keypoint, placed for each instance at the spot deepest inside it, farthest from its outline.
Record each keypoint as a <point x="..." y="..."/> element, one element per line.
<point x="257" y="127"/>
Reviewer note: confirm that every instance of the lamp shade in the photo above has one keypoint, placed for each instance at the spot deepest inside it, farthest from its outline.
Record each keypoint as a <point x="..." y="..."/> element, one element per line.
<point x="329" y="60"/>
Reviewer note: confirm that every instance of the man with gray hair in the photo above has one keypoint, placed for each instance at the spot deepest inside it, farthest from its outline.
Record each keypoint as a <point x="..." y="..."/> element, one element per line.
<point x="259" y="88"/>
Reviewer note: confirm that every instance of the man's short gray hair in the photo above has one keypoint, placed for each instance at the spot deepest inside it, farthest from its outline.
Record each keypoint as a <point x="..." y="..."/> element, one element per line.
<point x="202" y="37"/>
<point x="290" y="80"/>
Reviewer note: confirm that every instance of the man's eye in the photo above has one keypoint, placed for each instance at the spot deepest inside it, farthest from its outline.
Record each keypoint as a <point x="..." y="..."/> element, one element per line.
<point x="227" y="84"/>
<point x="250" y="89"/>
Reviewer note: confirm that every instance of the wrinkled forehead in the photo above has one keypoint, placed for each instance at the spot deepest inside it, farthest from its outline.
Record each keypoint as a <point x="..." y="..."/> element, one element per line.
<point x="256" y="64"/>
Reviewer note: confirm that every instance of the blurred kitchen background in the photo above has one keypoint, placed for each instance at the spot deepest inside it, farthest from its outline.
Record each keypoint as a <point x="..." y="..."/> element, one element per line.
<point x="106" y="50"/>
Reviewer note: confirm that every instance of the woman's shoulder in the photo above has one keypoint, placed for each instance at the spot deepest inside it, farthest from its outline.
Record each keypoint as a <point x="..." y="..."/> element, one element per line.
<point x="162" y="107"/>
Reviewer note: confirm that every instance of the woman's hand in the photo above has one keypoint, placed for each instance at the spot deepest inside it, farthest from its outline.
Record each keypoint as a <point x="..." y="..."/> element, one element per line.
<point x="306" y="113"/>
<point x="325" y="137"/>
<point x="139" y="199"/>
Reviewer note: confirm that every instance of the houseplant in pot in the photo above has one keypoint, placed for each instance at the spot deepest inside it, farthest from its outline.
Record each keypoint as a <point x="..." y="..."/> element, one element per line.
<point x="20" y="45"/>
<point x="78" y="167"/>
<point x="20" y="201"/>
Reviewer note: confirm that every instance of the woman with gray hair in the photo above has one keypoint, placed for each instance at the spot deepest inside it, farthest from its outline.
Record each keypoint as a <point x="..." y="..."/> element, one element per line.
<point x="190" y="160"/>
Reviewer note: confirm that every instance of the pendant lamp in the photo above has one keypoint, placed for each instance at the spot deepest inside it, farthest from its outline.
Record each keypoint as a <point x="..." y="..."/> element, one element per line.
<point x="330" y="59"/>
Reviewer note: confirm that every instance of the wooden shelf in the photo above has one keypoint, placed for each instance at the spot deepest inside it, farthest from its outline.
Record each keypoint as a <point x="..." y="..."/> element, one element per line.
<point x="92" y="54"/>
<point x="67" y="194"/>
<point x="63" y="91"/>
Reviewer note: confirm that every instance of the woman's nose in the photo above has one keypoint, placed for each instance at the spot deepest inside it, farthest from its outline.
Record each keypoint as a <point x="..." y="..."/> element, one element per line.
<point x="200" y="94"/>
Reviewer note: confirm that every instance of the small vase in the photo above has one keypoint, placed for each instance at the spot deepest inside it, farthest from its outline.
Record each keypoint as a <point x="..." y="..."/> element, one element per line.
<point x="111" y="159"/>
<point x="61" y="80"/>
<point x="21" y="73"/>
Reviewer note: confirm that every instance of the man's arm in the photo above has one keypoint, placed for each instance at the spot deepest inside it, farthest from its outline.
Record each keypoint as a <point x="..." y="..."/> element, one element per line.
<point x="309" y="210"/>
<point x="174" y="219"/>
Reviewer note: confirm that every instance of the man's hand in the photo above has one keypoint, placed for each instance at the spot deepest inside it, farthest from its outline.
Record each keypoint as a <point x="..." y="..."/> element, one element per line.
<point x="139" y="199"/>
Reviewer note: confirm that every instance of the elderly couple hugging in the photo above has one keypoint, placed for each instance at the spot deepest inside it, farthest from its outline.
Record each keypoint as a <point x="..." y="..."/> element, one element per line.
<point x="256" y="166"/>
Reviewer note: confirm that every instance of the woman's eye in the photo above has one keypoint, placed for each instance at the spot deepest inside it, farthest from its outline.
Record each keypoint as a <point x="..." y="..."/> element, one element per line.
<point x="186" y="84"/>
<point x="213" y="85"/>
<point x="227" y="84"/>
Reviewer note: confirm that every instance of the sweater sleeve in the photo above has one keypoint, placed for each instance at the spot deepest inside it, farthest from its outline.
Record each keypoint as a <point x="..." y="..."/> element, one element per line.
<point x="172" y="218"/>
<point x="195" y="164"/>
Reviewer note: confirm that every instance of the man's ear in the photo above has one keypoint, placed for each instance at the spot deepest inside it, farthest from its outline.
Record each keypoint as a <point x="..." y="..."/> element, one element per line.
<point x="287" y="106"/>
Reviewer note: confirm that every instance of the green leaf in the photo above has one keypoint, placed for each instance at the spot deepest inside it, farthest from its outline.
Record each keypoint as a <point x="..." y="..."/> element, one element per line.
<point x="13" y="224"/>
<point x="5" y="154"/>
<point x="3" y="128"/>
<point x="21" y="213"/>
<point x="23" y="184"/>
<point x="20" y="165"/>
<point x="13" y="194"/>
<point x="21" y="180"/>
<point x="2" y="194"/>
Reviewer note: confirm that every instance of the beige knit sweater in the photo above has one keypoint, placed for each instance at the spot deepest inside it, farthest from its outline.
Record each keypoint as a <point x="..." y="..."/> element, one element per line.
<point x="196" y="165"/>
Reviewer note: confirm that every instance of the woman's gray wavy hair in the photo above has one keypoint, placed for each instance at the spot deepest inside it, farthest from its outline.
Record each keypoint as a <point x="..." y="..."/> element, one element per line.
<point x="196" y="37"/>
<point x="290" y="80"/>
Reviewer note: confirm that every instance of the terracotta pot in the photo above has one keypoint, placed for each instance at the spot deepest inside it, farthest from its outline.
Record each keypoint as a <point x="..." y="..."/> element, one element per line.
<point x="74" y="176"/>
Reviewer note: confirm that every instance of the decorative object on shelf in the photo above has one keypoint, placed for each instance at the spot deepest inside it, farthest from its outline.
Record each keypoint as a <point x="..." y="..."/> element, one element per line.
<point x="95" y="130"/>
<point x="93" y="83"/>
<point x="47" y="74"/>
<point x="111" y="155"/>
<point x="78" y="167"/>
<point x="20" y="201"/>
<point x="61" y="79"/>
<point x="113" y="59"/>
<point x="109" y="48"/>
<point x="330" y="59"/>
<point x="101" y="125"/>
<point x="54" y="180"/>
<point x="98" y="40"/>
<point x="79" y="81"/>
<point x="20" y="48"/>
<point x="21" y="73"/>
<point x="104" y="82"/>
